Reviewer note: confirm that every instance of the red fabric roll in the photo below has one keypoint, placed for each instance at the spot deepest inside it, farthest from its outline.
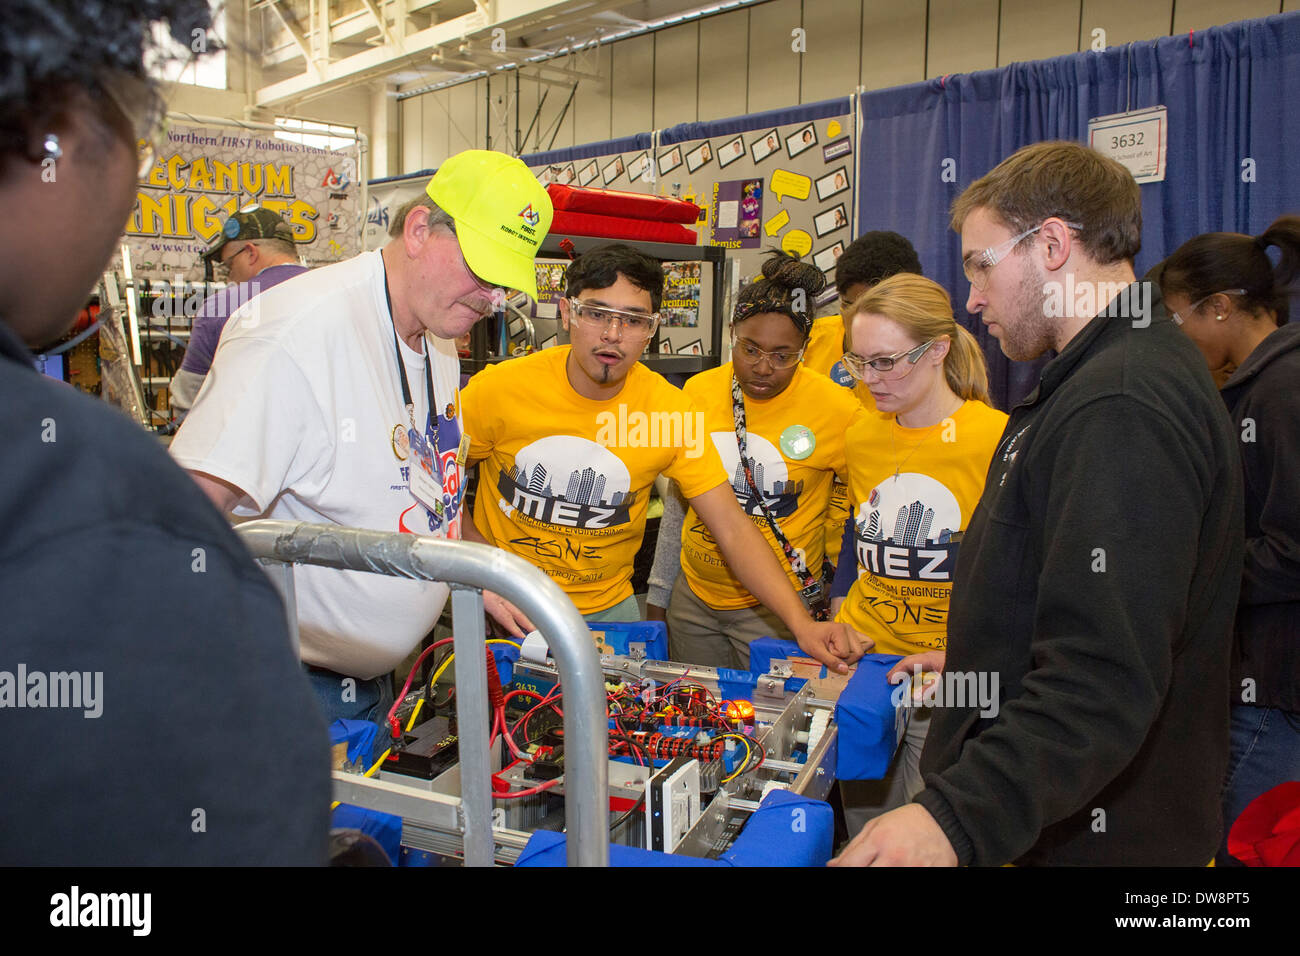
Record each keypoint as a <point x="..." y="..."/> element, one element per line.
<point x="617" y="227"/>
<point x="611" y="202"/>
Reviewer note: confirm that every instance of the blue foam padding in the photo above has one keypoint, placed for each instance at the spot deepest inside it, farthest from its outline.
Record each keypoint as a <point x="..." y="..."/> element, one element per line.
<point x="620" y="635"/>
<point x="785" y="830"/>
<point x="869" y="723"/>
<point x="384" y="827"/>
<point x="359" y="734"/>
<point x="548" y="848"/>
<point x="767" y="649"/>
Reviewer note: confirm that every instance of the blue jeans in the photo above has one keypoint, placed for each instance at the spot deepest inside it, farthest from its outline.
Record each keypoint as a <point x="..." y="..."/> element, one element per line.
<point x="1265" y="752"/>
<point x="368" y="700"/>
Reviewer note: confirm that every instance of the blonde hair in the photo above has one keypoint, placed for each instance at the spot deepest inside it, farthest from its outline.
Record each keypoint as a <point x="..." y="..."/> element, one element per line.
<point x="922" y="308"/>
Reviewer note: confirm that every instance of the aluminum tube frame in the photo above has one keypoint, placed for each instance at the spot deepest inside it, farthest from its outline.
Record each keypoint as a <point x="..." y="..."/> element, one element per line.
<point x="480" y="566"/>
<point x="473" y="714"/>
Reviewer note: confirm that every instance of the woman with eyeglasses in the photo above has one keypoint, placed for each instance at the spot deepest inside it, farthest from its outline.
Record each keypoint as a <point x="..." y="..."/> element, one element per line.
<point x="1224" y="291"/>
<point x="916" y="472"/>
<point x="779" y="429"/>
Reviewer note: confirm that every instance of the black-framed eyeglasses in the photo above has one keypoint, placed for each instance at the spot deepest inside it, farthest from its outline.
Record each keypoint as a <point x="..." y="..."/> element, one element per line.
<point x="221" y="270"/>
<point x="886" y="367"/>
<point x="751" y="354"/>
<point x="633" y="324"/>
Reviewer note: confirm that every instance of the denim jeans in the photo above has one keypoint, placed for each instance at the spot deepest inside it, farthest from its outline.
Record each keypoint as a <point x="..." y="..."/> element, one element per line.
<point x="1265" y="752"/>
<point x="369" y="700"/>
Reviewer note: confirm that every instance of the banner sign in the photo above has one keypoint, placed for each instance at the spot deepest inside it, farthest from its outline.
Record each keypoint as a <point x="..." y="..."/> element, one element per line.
<point x="204" y="174"/>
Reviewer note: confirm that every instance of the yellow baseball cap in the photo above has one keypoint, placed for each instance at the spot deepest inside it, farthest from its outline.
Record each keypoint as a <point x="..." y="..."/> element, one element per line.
<point x="502" y="214"/>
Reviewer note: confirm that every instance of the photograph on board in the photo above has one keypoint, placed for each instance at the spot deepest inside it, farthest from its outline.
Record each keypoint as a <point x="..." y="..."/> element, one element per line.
<point x="826" y="259"/>
<point x="833" y="183"/>
<point x="730" y="152"/>
<point x="670" y="160"/>
<point x="764" y="146"/>
<point x="830" y="220"/>
<point x="801" y="139"/>
<point x="698" y="157"/>
<point x="612" y="171"/>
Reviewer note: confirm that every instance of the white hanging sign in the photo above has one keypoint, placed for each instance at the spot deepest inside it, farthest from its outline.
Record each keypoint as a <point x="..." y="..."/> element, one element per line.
<point x="1139" y="141"/>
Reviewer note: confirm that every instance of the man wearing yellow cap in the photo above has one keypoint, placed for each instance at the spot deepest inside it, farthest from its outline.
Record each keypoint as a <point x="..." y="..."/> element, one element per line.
<point x="333" y="398"/>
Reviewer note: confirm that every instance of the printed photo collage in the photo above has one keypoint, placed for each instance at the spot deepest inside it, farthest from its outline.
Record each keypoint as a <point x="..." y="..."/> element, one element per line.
<point x="788" y="187"/>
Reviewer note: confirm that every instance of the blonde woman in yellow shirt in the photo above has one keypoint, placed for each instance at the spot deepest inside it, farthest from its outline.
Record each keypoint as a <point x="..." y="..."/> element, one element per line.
<point x="916" y="472"/>
<point x="779" y="428"/>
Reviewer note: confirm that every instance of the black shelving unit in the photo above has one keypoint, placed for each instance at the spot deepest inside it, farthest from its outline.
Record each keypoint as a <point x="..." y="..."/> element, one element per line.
<point x="684" y="365"/>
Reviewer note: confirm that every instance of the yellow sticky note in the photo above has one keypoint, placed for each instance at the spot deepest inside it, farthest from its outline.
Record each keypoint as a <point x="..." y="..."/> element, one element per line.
<point x="797" y="242"/>
<point x="776" y="223"/>
<point x="786" y="183"/>
<point x="832" y="129"/>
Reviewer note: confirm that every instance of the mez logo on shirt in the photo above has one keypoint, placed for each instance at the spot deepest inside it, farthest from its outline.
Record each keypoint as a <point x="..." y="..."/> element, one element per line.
<point x="908" y="528"/>
<point x="569" y="482"/>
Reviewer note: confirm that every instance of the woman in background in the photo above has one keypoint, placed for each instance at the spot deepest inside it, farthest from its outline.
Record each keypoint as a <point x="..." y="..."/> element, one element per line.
<point x="1226" y="294"/>
<point x="916" y="471"/>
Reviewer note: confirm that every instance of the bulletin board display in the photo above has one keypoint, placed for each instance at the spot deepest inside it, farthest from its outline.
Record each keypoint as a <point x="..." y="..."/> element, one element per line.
<point x="788" y="187"/>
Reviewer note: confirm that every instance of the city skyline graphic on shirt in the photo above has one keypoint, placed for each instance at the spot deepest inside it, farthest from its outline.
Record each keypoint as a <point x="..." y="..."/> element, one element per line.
<point x="584" y="487"/>
<point x="771" y="474"/>
<point x="568" y="481"/>
<point x="912" y="511"/>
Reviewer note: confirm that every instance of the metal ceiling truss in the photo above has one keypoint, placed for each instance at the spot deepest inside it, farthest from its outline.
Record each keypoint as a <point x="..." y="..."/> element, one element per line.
<point x="375" y="40"/>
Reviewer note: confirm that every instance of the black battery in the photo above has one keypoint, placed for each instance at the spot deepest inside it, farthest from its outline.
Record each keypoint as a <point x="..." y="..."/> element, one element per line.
<point x="427" y="751"/>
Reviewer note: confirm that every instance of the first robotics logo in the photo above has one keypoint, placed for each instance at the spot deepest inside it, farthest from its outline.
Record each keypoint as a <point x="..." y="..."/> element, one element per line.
<point x="529" y="216"/>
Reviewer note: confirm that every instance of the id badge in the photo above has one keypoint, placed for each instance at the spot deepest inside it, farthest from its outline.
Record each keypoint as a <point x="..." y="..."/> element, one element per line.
<point x="425" y="486"/>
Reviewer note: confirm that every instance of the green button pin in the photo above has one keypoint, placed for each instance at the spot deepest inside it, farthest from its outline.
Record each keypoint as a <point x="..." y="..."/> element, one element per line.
<point x="798" y="442"/>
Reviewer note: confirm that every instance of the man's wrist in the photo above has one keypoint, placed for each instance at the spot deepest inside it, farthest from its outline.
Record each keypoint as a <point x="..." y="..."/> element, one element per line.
<point x="941" y="810"/>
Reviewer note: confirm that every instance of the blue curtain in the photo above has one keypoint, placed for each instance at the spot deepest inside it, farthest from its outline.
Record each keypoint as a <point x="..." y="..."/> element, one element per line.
<point x="1226" y="90"/>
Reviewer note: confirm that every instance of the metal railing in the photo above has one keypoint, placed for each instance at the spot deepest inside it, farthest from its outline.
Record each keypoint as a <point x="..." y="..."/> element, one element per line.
<point x="469" y="569"/>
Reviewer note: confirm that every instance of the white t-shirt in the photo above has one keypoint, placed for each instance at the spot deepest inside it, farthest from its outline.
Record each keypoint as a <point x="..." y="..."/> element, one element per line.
<point x="302" y="410"/>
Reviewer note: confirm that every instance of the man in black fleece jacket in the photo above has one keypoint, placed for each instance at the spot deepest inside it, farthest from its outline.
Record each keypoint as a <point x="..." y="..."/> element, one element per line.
<point x="1100" y="571"/>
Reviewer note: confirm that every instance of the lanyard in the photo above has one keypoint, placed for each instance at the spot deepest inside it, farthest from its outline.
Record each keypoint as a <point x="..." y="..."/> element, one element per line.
<point x="406" y="387"/>
<point x="812" y="588"/>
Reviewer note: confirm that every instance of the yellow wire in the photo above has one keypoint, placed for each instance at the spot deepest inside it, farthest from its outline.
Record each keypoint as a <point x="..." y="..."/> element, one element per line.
<point x="749" y="755"/>
<point x="451" y="657"/>
<point x="419" y="704"/>
<point x="378" y="763"/>
<point x="436" y="674"/>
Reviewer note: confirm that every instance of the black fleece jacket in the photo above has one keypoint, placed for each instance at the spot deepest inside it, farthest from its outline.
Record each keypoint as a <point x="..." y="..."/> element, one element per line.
<point x="1263" y="398"/>
<point x="1098" y="578"/>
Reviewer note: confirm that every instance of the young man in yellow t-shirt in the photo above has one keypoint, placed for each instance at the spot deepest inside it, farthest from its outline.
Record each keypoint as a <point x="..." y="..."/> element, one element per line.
<point x="572" y="437"/>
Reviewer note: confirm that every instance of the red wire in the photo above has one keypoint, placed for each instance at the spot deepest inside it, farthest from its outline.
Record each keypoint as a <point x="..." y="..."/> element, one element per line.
<point x="529" y="792"/>
<point x="411" y="676"/>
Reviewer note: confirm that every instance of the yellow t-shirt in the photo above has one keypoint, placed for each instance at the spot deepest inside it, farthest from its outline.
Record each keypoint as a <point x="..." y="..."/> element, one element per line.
<point x="824" y="348"/>
<point x="822" y="354"/>
<point x="797" y="490"/>
<point x="909" y="525"/>
<point x="565" y="480"/>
